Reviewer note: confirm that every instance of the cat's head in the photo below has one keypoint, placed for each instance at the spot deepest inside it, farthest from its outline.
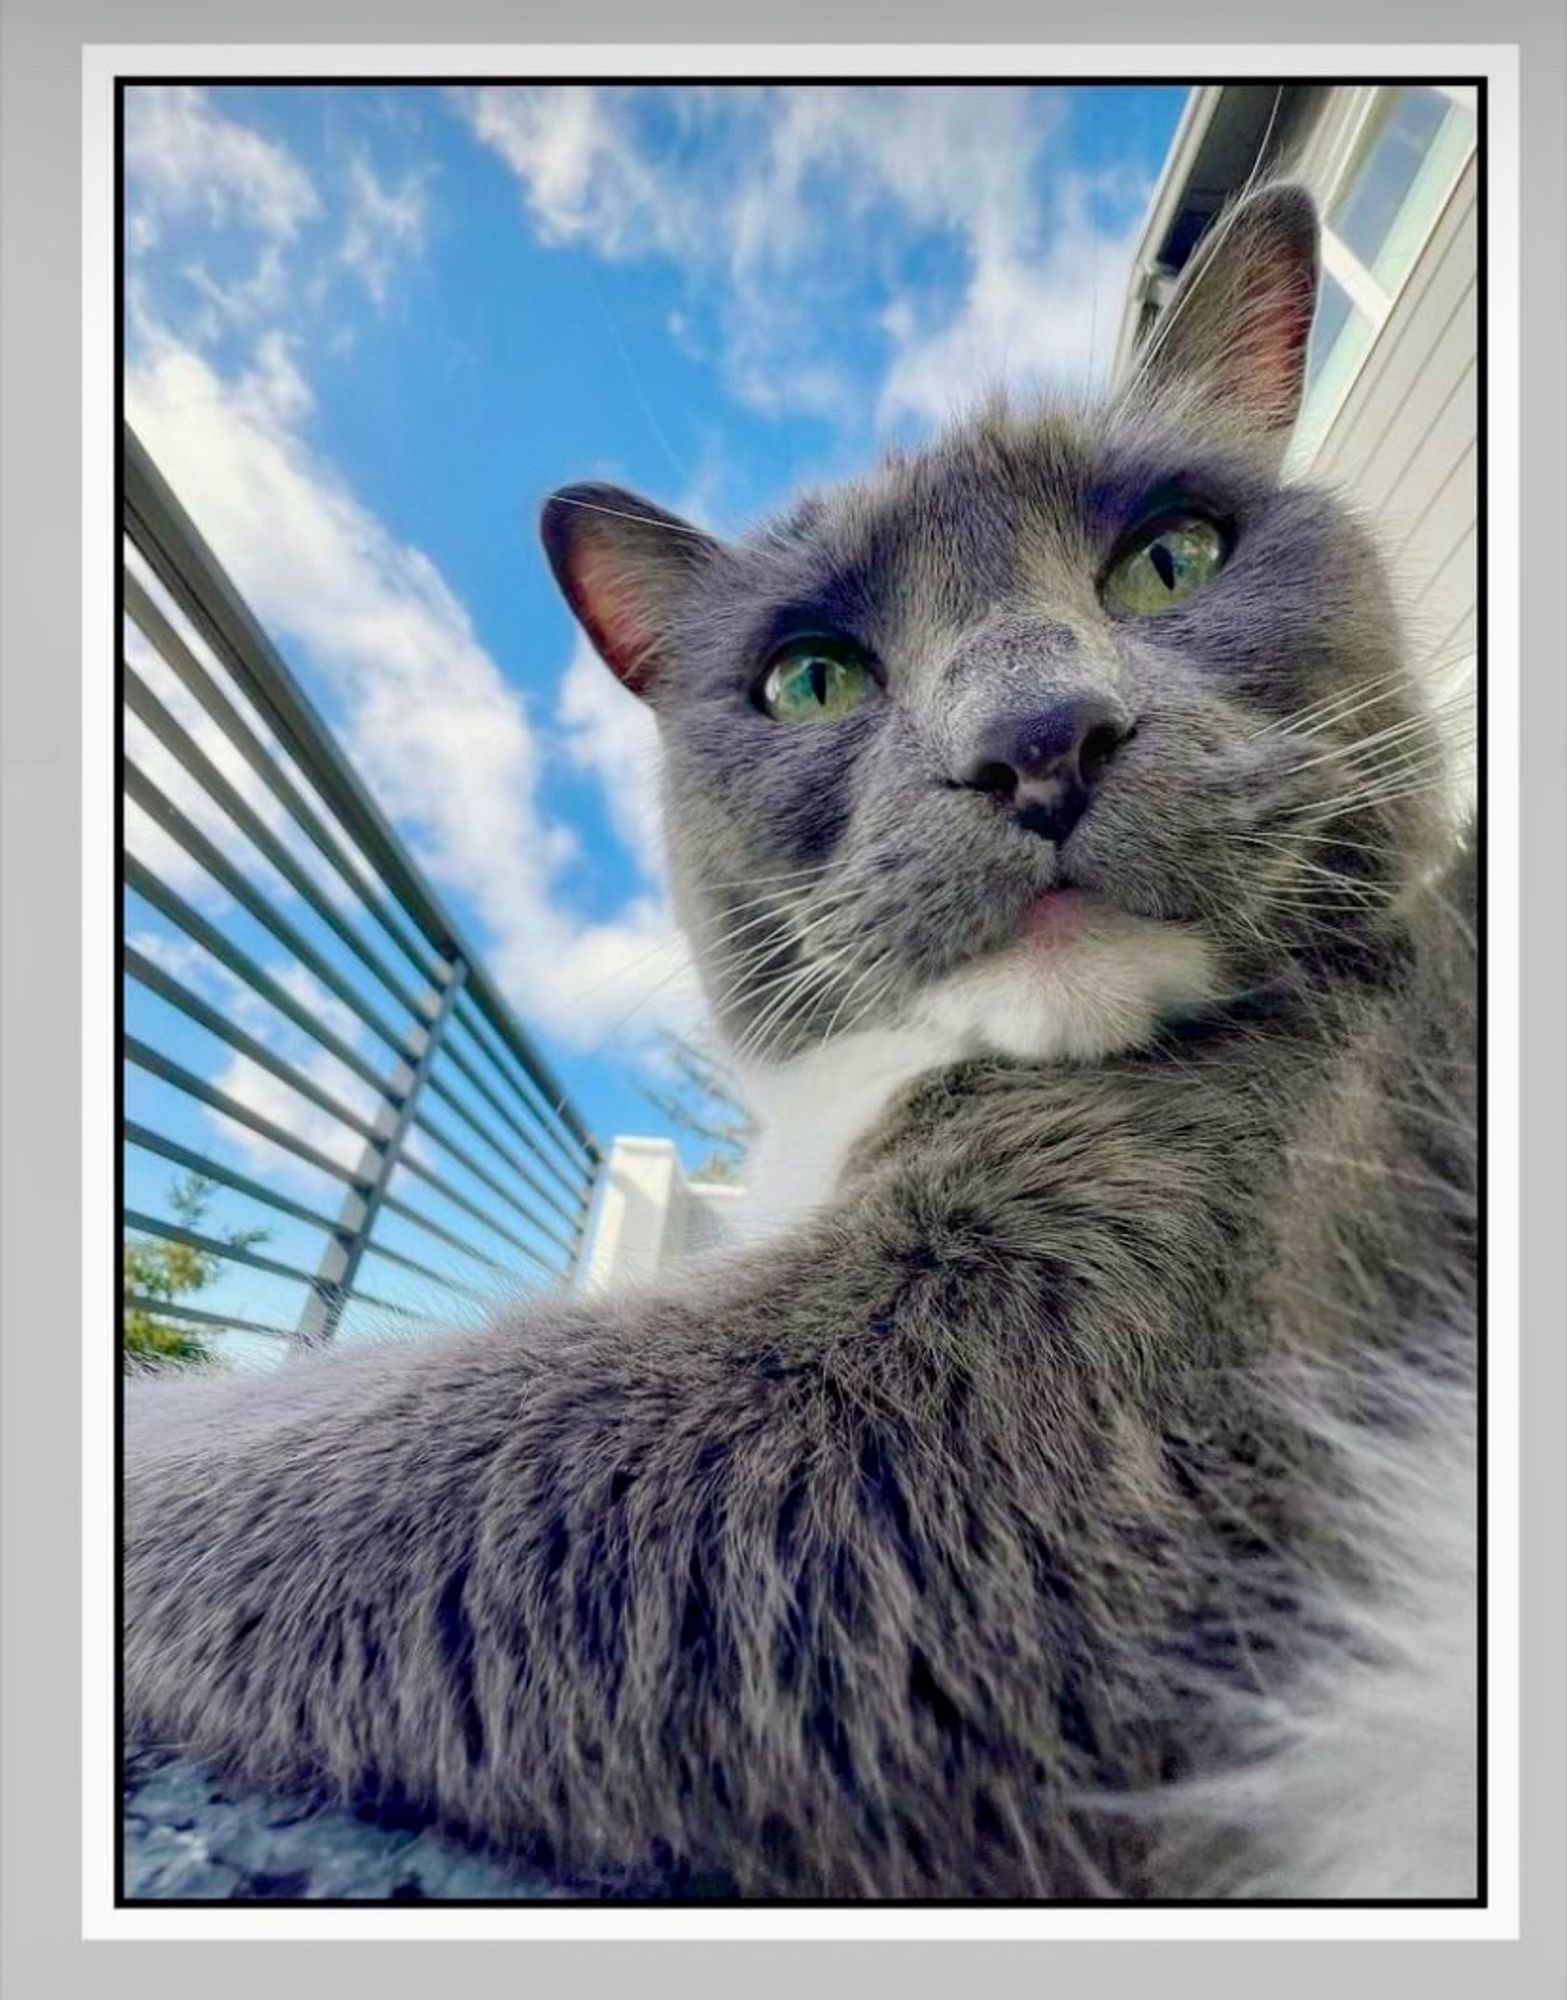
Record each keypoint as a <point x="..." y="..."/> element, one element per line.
<point x="1068" y="724"/>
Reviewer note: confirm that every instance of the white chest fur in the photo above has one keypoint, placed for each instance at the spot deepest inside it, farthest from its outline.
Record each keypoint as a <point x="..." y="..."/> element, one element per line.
<point x="813" y="1109"/>
<point x="1078" y="1000"/>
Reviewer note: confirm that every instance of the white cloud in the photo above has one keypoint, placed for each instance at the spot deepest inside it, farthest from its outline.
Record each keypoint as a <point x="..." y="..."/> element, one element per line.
<point x="385" y="224"/>
<point x="302" y="985"/>
<point x="182" y="156"/>
<point x="187" y="161"/>
<point x="1038" y="308"/>
<point x="266" y="1094"/>
<point x="441" y="738"/>
<point x="584" y="175"/>
<point x="260" y="1089"/>
<point x="798" y="199"/>
<point x="949" y="156"/>
<point x="242" y="302"/>
<point x="180" y="787"/>
<point x="273" y="388"/>
<point x="146" y="754"/>
<point x="607" y="732"/>
<point x="179" y="956"/>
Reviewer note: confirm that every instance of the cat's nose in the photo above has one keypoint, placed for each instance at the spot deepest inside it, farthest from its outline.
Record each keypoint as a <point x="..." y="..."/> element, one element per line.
<point x="1045" y="764"/>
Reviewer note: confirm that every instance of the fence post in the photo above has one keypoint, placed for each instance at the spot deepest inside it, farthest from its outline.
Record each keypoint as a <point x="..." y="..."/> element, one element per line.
<point x="351" y="1232"/>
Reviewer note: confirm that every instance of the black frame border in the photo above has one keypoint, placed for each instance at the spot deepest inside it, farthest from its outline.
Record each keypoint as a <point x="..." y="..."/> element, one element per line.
<point x="1481" y="1899"/>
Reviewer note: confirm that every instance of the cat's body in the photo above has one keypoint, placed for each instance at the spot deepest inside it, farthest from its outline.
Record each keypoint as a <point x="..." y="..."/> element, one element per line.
<point x="1017" y="1516"/>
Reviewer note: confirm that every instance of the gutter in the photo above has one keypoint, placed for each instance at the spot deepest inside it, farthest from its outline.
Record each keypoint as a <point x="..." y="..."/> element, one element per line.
<point x="1149" y="277"/>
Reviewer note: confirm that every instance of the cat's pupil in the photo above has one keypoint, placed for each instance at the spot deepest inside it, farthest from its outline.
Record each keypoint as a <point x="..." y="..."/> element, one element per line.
<point x="1167" y="566"/>
<point x="812" y="682"/>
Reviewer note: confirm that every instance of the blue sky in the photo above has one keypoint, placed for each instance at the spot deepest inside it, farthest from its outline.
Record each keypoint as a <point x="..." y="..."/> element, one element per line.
<point x="368" y="329"/>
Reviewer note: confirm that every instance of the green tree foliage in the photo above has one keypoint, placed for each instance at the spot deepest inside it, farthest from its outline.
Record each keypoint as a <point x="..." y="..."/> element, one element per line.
<point x="699" y="1096"/>
<point x="155" y="1268"/>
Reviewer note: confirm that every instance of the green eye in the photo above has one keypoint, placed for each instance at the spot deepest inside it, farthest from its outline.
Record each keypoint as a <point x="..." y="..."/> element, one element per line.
<point x="814" y="680"/>
<point x="1167" y="565"/>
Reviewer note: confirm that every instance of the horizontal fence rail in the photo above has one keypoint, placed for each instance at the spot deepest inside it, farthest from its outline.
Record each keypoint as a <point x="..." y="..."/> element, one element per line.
<point x="374" y="1137"/>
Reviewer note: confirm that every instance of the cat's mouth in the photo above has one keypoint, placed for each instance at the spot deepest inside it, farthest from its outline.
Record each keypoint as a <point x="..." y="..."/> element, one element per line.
<point x="1080" y="979"/>
<point x="1055" y="916"/>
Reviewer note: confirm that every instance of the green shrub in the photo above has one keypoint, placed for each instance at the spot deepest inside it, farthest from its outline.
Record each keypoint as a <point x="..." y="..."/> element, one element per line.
<point x="156" y="1268"/>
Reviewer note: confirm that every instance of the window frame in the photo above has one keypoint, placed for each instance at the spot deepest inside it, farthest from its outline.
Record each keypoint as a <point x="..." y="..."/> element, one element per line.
<point x="1374" y="301"/>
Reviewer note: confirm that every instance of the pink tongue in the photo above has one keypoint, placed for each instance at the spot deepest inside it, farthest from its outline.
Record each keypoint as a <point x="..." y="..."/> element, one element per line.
<point x="1053" y="917"/>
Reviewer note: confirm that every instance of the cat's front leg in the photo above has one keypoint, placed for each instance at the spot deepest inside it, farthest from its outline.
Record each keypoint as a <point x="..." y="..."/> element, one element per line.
<point x="775" y="1572"/>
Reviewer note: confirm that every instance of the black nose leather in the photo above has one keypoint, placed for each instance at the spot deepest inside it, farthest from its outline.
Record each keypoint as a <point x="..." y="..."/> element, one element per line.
<point x="1045" y="764"/>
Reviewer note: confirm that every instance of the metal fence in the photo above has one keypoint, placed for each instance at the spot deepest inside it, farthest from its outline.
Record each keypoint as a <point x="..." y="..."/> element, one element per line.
<point x="306" y="1026"/>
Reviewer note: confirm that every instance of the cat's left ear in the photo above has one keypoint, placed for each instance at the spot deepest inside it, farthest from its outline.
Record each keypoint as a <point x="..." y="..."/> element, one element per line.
<point x="623" y="566"/>
<point x="1235" y="332"/>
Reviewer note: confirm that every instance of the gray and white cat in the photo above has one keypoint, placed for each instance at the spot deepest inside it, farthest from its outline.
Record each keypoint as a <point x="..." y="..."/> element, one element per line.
<point x="1072" y="1493"/>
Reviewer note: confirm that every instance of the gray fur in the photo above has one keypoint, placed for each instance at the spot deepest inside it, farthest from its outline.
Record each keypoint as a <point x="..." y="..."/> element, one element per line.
<point x="894" y="1555"/>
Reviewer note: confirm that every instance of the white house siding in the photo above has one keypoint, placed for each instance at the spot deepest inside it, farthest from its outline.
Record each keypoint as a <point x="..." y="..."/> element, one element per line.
<point x="649" y="1215"/>
<point x="1403" y="444"/>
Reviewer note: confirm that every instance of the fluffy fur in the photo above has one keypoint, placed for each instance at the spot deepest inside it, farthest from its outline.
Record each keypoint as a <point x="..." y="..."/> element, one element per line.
<point x="1037" y="1510"/>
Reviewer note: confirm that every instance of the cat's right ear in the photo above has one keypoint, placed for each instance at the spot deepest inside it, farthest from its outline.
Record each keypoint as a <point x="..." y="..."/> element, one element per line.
<point x="622" y="565"/>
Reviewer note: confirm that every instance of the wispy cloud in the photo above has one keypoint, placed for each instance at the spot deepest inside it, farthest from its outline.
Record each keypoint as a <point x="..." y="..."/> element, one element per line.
<point x="385" y="224"/>
<point x="798" y="200"/>
<point x="1039" y="307"/>
<point x="258" y="238"/>
<point x="586" y="175"/>
<point x="611" y="735"/>
<point x="184" y="156"/>
<point x="189" y="164"/>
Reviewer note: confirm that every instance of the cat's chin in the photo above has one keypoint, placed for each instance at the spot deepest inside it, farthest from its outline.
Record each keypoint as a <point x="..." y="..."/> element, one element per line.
<point x="1082" y="981"/>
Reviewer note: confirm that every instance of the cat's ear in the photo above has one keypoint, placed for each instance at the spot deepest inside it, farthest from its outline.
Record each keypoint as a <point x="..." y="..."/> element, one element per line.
<point x="622" y="565"/>
<point x="1235" y="332"/>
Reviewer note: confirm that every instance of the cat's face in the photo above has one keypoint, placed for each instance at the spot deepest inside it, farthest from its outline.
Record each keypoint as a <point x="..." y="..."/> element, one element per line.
<point x="1072" y="723"/>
